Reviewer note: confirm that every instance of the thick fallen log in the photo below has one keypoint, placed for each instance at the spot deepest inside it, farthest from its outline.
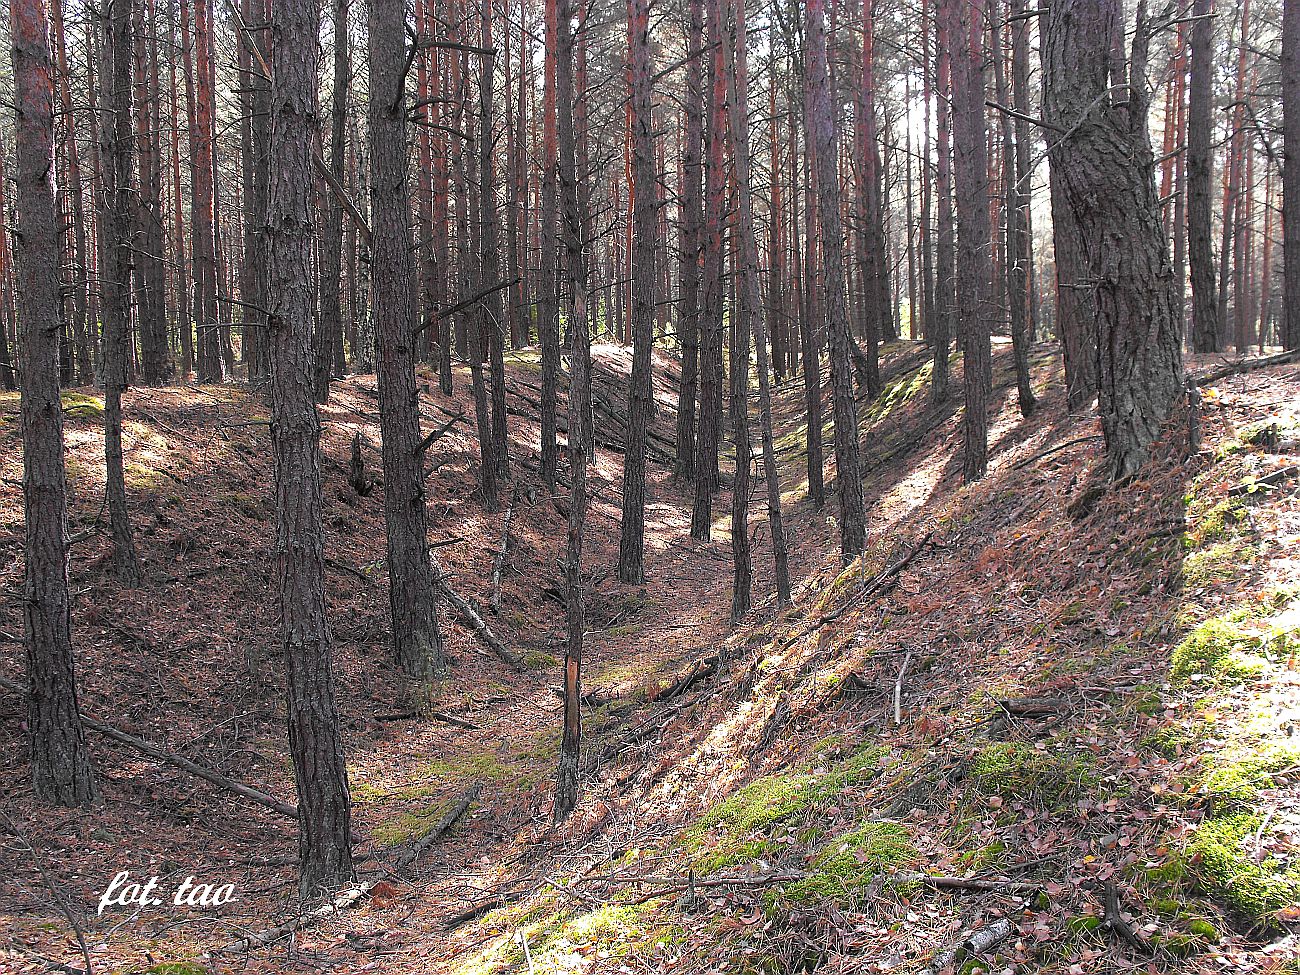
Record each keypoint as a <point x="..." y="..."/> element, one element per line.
<point x="355" y="895"/>
<point x="176" y="761"/>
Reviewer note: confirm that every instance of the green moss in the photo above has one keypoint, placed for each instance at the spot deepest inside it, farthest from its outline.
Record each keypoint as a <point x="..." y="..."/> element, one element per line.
<point x="1082" y="924"/>
<point x="80" y="406"/>
<point x="733" y="853"/>
<point x="246" y="505"/>
<point x="409" y="826"/>
<point x="1016" y="770"/>
<point x="759" y="804"/>
<point x="540" y="660"/>
<point x="1207" y="647"/>
<point x="1237" y="782"/>
<point x="1222" y="857"/>
<point x="851" y="862"/>
<point x="982" y="859"/>
<point x="1213" y="523"/>
<point x="176" y="968"/>
<point x="1217" y="563"/>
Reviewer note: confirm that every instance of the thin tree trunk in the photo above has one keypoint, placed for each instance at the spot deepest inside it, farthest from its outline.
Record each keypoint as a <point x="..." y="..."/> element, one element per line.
<point x="974" y="233"/>
<point x="115" y="281"/>
<point x="548" y="327"/>
<point x="711" y="324"/>
<point x="1200" y="174"/>
<point x="688" y="276"/>
<point x="945" y="257"/>
<point x="631" y="561"/>
<point x="61" y="770"/>
<point x="848" y="475"/>
<point x="750" y="316"/>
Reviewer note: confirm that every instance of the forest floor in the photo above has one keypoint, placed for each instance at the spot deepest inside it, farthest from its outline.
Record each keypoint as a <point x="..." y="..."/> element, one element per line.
<point x="1027" y="698"/>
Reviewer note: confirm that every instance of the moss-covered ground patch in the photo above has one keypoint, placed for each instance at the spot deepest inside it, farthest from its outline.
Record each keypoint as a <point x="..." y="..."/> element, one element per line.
<point x="850" y="862"/>
<point x="1020" y="771"/>
<point x="1227" y="860"/>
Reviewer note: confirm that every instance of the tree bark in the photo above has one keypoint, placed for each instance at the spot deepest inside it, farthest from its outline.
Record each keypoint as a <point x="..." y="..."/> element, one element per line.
<point x="715" y="194"/>
<point x="750" y="317"/>
<point x="848" y="474"/>
<point x="1106" y="170"/>
<point x="631" y="559"/>
<point x="416" y="641"/>
<point x="548" y="304"/>
<point x="1017" y="175"/>
<point x="1200" y="172"/>
<point x="945" y="256"/>
<point x="871" y="229"/>
<point x="1291" y="175"/>
<point x="115" y="281"/>
<point x="688" y="275"/>
<point x="61" y="770"/>
<point x="974" y="230"/>
<point x="581" y="425"/>
<point x="324" y="808"/>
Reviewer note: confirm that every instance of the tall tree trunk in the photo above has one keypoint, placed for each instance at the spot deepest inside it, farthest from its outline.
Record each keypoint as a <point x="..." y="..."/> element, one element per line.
<point x="150" y="285"/>
<point x="115" y="281"/>
<point x="1200" y="170"/>
<point x="211" y="367"/>
<point x="324" y="808"/>
<point x="945" y="257"/>
<point x="688" y="275"/>
<point x="61" y="770"/>
<point x="79" y="283"/>
<point x="1106" y="169"/>
<point x="1015" y="178"/>
<point x="1291" y="175"/>
<point x="974" y="232"/>
<point x="416" y="641"/>
<point x="581" y="425"/>
<point x="715" y="194"/>
<point x="750" y="316"/>
<point x="1074" y="310"/>
<point x="871" y="226"/>
<point x="548" y="304"/>
<point x="327" y="338"/>
<point x="848" y="474"/>
<point x="495" y="327"/>
<point x="631" y="559"/>
<point x="8" y="349"/>
<point x="812" y="330"/>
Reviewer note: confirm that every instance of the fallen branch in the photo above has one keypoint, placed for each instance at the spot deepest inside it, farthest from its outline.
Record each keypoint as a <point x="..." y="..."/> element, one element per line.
<point x="437" y="434"/>
<point x="495" y="600"/>
<point x="431" y="715"/>
<point x="1114" y="921"/>
<point x="975" y="943"/>
<point x="1279" y="476"/>
<point x="176" y="761"/>
<point x="877" y="582"/>
<point x="1020" y="464"/>
<point x="354" y="895"/>
<point x="1247" y="365"/>
<point x="478" y="625"/>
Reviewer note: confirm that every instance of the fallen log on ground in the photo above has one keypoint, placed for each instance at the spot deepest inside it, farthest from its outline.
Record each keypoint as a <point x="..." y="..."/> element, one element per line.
<point x="355" y="895"/>
<point x="975" y="943"/>
<point x="176" y="761"/>
<point x="477" y="624"/>
<point x="1247" y="365"/>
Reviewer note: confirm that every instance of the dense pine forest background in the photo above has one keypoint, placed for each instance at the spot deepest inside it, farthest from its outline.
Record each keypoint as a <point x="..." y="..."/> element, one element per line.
<point x="697" y="485"/>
